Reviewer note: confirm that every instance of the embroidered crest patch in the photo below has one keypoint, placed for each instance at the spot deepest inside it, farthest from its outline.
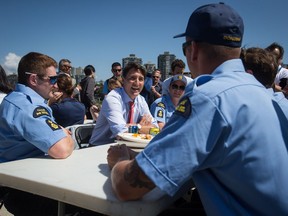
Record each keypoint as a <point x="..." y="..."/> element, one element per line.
<point x="184" y="107"/>
<point x="54" y="126"/>
<point x="160" y="104"/>
<point x="160" y="114"/>
<point x="40" y="111"/>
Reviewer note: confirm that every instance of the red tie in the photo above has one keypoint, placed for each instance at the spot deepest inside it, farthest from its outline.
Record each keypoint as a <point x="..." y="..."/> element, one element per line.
<point x="131" y="112"/>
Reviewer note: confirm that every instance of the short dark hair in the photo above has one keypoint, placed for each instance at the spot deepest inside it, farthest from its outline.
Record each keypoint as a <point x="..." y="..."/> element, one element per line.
<point x="88" y="70"/>
<point x="177" y="63"/>
<point x="274" y="46"/>
<point x="115" y="64"/>
<point x="262" y="64"/>
<point x="34" y="62"/>
<point x="133" y="65"/>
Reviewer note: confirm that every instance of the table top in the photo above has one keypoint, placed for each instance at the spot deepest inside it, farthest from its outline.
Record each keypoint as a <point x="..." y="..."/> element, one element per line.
<point x="83" y="179"/>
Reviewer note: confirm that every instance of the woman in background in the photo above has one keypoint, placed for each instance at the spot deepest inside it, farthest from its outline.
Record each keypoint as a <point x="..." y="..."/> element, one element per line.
<point x="67" y="110"/>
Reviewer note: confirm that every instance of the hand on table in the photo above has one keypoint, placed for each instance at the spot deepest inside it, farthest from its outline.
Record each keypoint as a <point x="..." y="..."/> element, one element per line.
<point x="118" y="153"/>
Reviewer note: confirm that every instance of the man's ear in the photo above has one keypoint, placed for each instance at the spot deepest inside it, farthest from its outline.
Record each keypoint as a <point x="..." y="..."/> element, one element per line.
<point x="32" y="80"/>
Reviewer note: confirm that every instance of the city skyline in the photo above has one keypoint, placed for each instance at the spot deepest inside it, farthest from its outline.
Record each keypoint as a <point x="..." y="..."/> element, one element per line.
<point x="103" y="32"/>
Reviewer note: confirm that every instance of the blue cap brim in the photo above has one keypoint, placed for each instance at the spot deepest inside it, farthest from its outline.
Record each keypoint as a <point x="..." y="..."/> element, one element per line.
<point x="180" y="35"/>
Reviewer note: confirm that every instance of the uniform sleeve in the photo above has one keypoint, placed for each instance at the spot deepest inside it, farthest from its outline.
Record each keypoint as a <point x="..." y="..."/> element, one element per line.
<point x="38" y="127"/>
<point x="183" y="146"/>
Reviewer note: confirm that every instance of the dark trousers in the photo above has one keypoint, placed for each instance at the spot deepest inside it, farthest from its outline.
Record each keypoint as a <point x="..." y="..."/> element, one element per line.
<point x="186" y="208"/>
<point x="20" y="203"/>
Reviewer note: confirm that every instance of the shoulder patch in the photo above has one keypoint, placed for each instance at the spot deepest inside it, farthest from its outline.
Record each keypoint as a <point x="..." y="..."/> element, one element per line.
<point x="161" y="104"/>
<point x="54" y="126"/>
<point x="40" y="111"/>
<point x="184" y="107"/>
<point x="160" y="114"/>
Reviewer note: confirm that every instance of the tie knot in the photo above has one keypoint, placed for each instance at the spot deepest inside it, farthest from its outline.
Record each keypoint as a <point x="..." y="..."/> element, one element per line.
<point x="131" y="103"/>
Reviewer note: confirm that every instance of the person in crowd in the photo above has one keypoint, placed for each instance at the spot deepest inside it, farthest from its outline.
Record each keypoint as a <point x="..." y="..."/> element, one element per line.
<point x="156" y="88"/>
<point x="163" y="107"/>
<point x="263" y="66"/>
<point x="28" y="129"/>
<point x="87" y="89"/>
<point x="5" y="86"/>
<point x="76" y="92"/>
<point x="123" y="107"/>
<point x="146" y="91"/>
<point x="116" y="69"/>
<point x="65" y="66"/>
<point x="67" y="111"/>
<point x="282" y="72"/>
<point x="177" y="67"/>
<point x="221" y="136"/>
<point x="112" y="84"/>
<point x="115" y="83"/>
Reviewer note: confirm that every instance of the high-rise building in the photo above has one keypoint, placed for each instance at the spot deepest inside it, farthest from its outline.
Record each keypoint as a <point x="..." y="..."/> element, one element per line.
<point x="150" y="67"/>
<point x="77" y="73"/>
<point x="131" y="58"/>
<point x="164" y="64"/>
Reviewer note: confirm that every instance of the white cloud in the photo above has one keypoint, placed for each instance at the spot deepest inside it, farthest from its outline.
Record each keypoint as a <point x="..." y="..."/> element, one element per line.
<point x="11" y="63"/>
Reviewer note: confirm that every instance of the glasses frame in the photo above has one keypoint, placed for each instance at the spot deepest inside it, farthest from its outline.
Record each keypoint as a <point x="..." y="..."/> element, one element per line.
<point x="117" y="70"/>
<point x="185" y="45"/>
<point x="51" y="79"/>
<point x="177" y="87"/>
<point x="67" y="66"/>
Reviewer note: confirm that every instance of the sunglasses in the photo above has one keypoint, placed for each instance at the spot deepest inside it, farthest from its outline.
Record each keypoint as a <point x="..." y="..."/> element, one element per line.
<point x="67" y="66"/>
<point x="51" y="79"/>
<point x="156" y="77"/>
<point x="185" y="45"/>
<point x="174" y="87"/>
<point x="117" y="70"/>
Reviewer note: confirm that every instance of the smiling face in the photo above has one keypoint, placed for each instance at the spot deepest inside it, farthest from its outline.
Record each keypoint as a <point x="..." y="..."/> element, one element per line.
<point x="133" y="83"/>
<point x="177" y="89"/>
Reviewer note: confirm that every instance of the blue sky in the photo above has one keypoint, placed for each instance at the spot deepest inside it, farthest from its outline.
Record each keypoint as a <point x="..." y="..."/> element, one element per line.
<point x="102" y="32"/>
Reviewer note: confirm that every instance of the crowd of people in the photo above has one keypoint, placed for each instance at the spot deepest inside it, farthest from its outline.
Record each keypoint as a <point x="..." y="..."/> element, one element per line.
<point x="224" y="130"/>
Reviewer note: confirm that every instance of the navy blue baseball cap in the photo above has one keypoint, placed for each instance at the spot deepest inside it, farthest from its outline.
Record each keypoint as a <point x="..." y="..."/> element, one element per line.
<point x="217" y="24"/>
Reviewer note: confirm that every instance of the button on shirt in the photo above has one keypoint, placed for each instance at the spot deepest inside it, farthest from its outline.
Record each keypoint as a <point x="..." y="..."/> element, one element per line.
<point x="113" y="116"/>
<point x="227" y="136"/>
<point x="27" y="127"/>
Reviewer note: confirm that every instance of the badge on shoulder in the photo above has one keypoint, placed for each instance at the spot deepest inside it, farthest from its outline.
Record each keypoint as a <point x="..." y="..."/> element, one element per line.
<point x="40" y="111"/>
<point x="160" y="114"/>
<point x="161" y="104"/>
<point x="54" y="126"/>
<point x="184" y="107"/>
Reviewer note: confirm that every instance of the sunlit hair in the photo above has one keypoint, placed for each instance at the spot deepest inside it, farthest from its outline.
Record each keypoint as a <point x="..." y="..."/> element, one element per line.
<point x="261" y="63"/>
<point x="135" y="66"/>
<point x="64" y="83"/>
<point x="115" y="83"/>
<point x="36" y="63"/>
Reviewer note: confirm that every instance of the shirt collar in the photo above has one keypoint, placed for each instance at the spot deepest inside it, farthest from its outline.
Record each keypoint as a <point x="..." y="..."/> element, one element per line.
<point x="34" y="97"/>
